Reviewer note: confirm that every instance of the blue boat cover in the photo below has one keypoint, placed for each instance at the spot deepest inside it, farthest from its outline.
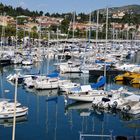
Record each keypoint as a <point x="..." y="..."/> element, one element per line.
<point x="102" y="62"/>
<point x="101" y="82"/>
<point x="53" y="74"/>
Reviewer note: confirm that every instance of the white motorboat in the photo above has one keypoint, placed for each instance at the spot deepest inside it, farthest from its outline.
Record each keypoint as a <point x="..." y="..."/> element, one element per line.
<point x="49" y="83"/>
<point x="70" y="69"/>
<point x="109" y="100"/>
<point x="67" y="86"/>
<point x="121" y="99"/>
<point x="16" y="60"/>
<point x="132" y="109"/>
<point x="27" y="62"/>
<point x="7" y="110"/>
<point x="29" y="82"/>
<point x="7" y="103"/>
<point x="87" y="97"/>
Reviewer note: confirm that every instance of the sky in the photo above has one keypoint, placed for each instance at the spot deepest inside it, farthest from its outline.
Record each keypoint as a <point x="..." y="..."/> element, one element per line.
<point x="63" y="6"/>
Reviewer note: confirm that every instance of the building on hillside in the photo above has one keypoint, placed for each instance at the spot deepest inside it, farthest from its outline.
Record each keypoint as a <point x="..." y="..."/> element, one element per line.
<point x="76" y="25"/>
<point x="137" y="36"/>
<point x="128" y="27"/>
<point x="118" y="15"/>
<point x="46" y="19"/>
<point x="31" y="26"/>
<point x="117" y="26"/>
<point x="45" y="22"/>
<point x="6" y="20"/>
<point x="84" y="26"/>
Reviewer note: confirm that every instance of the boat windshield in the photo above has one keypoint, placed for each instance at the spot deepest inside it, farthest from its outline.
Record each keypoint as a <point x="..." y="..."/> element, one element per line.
<point x="125" y="94"/>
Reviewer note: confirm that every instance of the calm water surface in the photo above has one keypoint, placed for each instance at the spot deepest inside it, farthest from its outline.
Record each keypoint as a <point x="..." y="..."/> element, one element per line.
<point x="50" y="119"/>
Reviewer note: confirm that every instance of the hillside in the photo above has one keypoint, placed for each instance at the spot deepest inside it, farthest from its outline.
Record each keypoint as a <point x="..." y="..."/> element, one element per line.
<point x="9" y="10"/>
<point x="129" y="9"/>
<point x="132" y="14"/>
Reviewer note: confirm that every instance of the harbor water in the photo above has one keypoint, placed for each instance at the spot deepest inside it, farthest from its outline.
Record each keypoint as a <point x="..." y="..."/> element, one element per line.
<point x="50" y="118"/>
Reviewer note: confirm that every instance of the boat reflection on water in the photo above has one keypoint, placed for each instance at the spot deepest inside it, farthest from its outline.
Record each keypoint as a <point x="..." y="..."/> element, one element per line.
<point x="87" y="108"/>
<point x="86" y="111"/>
<point x="9" y="122"/>
<point x="95" y="116"/>
<point x="48" y="93"/>
<point x="82" y="108"/>
<point x="119" y="82"/>
<point x="126" y="138"/>
<point x="79" y="105"/>
<point x="128" y="117"/>
<point x="96" y="136"/>
<point x="136" y="85"/>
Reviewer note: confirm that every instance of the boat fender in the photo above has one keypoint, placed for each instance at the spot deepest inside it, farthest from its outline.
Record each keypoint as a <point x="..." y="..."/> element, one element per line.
<point x="100" y="104"/>
<point x="127" y="108"/>
<point x="115" y="104"/>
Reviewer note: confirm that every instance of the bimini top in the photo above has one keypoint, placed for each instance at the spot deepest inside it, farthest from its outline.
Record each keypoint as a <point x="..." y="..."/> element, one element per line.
<point x="53" y="75"/>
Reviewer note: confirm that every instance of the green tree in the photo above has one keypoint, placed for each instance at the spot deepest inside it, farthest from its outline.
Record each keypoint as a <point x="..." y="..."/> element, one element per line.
<point x="34" y="29"/>
<point x="64" y="26"/>
<point x="53" y="28"/>
<point x="41" y="13"/>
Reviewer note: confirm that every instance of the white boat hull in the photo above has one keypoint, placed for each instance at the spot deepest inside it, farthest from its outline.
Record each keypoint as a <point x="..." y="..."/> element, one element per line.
<point x="10" y="114"/>
<point x="84" y="98"/>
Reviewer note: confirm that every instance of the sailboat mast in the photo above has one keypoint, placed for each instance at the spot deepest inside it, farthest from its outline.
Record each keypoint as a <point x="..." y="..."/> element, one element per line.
<point x="89" y="35"/>
<point x="73" y="31"/>
<point x="73" y="26"/>
<point x="106" y="41"/>
<point x="15" y="101"/>
<point x="16" y="32"/>
<point x="97" y="24"/>
<point x="57" y="36"/>
<point x="48" y="38"/>
<point x="39" y="45"/>
<point x="3" y="32"/>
